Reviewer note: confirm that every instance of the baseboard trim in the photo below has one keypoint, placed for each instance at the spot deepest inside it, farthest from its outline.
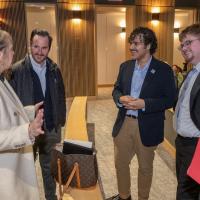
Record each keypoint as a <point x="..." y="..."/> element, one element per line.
<point x="105" y="85"/>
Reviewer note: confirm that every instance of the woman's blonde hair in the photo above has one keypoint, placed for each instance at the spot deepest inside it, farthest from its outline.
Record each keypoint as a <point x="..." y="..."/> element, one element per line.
<point x="5" y="40"/>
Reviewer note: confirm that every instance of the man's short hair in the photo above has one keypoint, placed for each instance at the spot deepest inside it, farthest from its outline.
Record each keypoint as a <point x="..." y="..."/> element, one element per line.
<point x="147" y="36"/>
<point x="43" y="33"/>
<point x="193" y="29"/>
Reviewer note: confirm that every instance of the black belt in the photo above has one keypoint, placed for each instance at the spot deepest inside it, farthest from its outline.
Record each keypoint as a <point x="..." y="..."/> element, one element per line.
<point x="188" y="138"/>
<point x="132" y="116"/>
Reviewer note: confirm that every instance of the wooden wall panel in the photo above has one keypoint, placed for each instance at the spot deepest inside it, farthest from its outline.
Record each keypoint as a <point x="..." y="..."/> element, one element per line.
<point x="197" y="16"/>
<point x="166" y="34"/>
<point x="12" y="14"/>
<point x="163" y="3"/>
<point x="76" y="49"/>
<point x="164" y="29"/>
<point x="130" y="23"/>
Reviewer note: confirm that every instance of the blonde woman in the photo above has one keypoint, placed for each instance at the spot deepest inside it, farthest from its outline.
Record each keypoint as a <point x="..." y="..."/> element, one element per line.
<point x="18" y="129"/>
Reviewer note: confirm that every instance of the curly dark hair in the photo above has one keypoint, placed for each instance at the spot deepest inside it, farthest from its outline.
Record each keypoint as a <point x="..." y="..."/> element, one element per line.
<point x="147" y="36"/>
<point x="42" y="33"/>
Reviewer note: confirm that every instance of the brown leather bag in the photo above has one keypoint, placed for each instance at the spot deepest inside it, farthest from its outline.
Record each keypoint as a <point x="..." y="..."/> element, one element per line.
<point x="87" y="167"/>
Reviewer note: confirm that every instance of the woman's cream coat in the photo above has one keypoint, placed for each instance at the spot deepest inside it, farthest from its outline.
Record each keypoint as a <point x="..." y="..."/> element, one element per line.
<point x="17" y="170"/>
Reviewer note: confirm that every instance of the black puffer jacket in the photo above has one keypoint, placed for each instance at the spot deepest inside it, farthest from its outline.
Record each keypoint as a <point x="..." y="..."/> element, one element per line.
<point x="21" y="81"/>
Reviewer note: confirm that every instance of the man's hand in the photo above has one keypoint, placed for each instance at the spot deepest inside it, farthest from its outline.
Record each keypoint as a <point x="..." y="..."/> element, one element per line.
<point x="136" y="104"/>
<point x="132" y="103"/>
<point x="35" y="127"/>
<point x="125" y="100"/>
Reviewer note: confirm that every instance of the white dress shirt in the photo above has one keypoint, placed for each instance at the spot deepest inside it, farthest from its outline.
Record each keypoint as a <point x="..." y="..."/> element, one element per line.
<point x="138" y="77"/>
<point x="40" y="70"/>
<point x="182" y="121"/>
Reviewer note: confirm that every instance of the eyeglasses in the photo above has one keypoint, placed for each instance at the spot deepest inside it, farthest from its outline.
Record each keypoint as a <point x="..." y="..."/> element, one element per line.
<point x="186" y="44"/>
<point x="136" y="43"/>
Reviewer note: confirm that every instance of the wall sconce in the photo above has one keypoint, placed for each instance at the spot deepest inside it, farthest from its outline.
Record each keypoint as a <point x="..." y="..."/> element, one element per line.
<point x="155" y="16"/>
<point x="76" y="14"/>
<point x="123" y="29"/>
<point x="122" y="26"/>
<point x="123" y="32"/>
<point x="177" y="26"/>
<point x="176" y="30"/>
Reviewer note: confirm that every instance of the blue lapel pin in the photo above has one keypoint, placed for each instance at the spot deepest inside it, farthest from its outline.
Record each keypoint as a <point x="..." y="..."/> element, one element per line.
<point x="153" y="71"/>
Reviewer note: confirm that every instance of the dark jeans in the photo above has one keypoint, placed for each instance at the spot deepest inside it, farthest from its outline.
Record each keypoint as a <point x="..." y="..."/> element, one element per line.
<point x="187" y="188"/>
<point x="43" y="146"/>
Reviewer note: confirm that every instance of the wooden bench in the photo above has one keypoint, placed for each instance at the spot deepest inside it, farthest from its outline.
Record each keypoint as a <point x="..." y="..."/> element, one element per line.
<point x="76" y="128"/>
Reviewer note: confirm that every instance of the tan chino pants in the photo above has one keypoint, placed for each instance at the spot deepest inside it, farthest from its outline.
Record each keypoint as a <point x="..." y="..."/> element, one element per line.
<point x="127" y="144"/>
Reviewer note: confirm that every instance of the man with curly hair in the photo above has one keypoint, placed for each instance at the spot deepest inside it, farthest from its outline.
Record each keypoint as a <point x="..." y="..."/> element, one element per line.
<point x="144" y="89"/>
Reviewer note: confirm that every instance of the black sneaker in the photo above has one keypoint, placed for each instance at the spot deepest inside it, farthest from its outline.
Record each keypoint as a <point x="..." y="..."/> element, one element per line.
<point x="117" y="197"/>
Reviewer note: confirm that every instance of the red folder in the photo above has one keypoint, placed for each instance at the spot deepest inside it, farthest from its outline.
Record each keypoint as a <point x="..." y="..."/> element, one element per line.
<point x="194" y="168"/>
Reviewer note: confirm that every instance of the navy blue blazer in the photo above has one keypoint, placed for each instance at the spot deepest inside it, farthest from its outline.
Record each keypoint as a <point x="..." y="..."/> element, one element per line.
<point x="158" y="91"/>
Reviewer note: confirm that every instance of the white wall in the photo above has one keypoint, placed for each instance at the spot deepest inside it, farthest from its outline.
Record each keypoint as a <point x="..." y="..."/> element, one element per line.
<point x="43" y="19"/>
<point x="110" y="46"/>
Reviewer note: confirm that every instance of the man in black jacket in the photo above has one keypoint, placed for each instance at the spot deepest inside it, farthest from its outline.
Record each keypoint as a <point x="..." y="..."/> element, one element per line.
<point x="187" y="114"/>
<point x="37" y="78"/>
<point x="144" y="89"/>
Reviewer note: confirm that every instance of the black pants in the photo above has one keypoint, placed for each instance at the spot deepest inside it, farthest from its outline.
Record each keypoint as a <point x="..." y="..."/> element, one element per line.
<point x="187" y="188"/>
<point x="43" y="146"/>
